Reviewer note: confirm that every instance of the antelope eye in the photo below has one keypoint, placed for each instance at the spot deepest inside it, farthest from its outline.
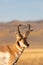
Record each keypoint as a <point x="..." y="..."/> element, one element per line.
<point x="20" y="39"/>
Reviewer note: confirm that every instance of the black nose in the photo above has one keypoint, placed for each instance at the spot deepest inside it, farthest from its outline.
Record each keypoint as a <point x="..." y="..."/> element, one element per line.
<point x="27" y="44"/>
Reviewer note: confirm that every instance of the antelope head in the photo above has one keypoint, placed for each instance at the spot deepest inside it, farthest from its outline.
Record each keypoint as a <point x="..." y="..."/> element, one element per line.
<point x="21" y="39"/>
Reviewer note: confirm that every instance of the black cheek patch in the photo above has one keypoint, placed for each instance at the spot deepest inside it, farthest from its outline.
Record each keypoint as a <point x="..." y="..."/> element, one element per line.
<point x="18" y="43"/>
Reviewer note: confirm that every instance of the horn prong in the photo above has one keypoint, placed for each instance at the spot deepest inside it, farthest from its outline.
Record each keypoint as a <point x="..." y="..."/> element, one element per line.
<point x="28" y="31"/>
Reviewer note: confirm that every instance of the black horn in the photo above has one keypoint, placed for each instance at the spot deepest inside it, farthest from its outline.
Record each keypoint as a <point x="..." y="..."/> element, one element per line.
<point x="19" y="30"/>
<point x="29" y="28"/>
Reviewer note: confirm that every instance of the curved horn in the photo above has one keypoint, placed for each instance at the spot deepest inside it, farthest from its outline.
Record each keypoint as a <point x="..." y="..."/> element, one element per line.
<point x="19" y="31"/>
<point x="18" y="28"/>
<point x="29" y="28"/>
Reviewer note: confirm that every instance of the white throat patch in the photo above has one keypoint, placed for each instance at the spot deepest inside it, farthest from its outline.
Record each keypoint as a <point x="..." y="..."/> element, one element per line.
<point x="18" y="48"/>
<point x="4" y="58"/>
<point x="22" y="44"/>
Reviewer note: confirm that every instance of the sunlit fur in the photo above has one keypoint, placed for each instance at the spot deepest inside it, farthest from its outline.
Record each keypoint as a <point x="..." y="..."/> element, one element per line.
<point x="10" y="53"/>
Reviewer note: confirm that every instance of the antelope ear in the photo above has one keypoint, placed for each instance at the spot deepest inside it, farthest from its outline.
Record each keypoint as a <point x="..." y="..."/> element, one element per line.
<point x="24" y="36"/>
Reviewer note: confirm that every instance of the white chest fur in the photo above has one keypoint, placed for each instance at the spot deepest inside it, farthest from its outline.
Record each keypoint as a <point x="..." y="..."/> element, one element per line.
<point x="4" y="58"/>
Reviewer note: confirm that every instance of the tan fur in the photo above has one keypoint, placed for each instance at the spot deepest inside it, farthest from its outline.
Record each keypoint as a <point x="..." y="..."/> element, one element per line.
<point x="12" y="50"/>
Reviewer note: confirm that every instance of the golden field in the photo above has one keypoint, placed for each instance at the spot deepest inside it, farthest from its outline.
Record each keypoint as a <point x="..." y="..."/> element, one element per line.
<point x="31" y="57"/>
<point x="34" y="54"/>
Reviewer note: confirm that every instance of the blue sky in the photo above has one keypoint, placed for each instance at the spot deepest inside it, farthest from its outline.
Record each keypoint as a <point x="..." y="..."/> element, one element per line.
<point x="21" y="10"/>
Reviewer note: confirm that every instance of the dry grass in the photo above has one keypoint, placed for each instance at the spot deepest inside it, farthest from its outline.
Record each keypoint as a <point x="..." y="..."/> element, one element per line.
<point x="31" y="57"/>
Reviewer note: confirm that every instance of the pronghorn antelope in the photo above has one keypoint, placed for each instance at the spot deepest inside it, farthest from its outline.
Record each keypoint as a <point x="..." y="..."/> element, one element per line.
<point x="9" y="54"/>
